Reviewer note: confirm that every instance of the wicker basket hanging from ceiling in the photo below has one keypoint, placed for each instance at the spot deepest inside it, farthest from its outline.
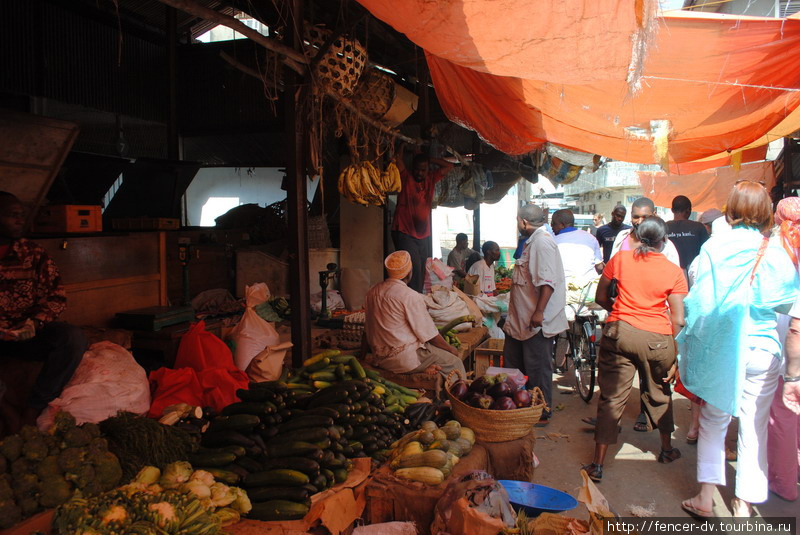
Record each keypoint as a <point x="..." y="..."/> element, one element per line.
<point x="341" y="67"/>
<point x="375" y="93"/>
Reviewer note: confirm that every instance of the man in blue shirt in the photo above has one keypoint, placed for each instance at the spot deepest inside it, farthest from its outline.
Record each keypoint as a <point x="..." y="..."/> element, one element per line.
<point x="608" y="233"/>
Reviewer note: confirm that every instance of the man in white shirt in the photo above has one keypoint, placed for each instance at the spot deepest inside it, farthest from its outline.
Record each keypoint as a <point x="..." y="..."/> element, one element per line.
<point x="457" y="259"/>
<point x="536" y="305"/>
<point x="626" y="240"/>
<point x="580" y="252"/>
<point x="484" y="268"/>
<point x="399" y="330"/>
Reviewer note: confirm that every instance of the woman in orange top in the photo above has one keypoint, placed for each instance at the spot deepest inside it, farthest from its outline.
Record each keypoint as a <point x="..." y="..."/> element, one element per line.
<point x="638" y="336"/>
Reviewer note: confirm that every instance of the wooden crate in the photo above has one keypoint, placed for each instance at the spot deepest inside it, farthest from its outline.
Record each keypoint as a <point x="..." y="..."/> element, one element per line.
<point x="69" y="218"/>
<point x="489" y="353"/>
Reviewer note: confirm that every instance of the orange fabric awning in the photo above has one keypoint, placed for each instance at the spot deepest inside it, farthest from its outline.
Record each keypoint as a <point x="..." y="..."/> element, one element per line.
<point x="748" y="155"/>
<point x="707" y="189"/>
<point x="570" y="41"/>
<point x="518" y="73"/>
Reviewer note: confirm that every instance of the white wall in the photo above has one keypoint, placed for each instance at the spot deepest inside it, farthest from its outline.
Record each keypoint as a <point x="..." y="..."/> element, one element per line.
<point x="261" y="185"/>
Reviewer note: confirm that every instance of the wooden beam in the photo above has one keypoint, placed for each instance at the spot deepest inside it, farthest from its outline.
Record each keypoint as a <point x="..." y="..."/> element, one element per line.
<point x="297" y="197"/>
<point x="171" y="23"/>
<point x="292" y="58"/>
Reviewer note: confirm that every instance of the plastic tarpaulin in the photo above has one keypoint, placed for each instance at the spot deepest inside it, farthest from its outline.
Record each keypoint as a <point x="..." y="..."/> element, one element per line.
<point x="707" y="189"/>
<point x="712" y="83"/>
<point x="525" y="38"/>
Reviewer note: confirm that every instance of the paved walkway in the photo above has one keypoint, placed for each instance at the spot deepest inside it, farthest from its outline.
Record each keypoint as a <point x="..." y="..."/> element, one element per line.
<point x="632" y="475"/>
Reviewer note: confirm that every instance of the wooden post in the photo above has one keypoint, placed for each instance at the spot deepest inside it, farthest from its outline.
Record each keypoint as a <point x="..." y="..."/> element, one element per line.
<point x="172" y="75"/>
<point x="296" y="198"/>
<point x="787" y="180"/>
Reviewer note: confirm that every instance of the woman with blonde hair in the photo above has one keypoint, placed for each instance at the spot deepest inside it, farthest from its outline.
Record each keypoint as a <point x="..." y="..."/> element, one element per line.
<point x="729" y="351"/>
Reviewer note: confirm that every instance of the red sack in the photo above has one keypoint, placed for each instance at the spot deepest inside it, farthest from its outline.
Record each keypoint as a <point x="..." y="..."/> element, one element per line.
<point x="204" y="374"/>
<point x="169" y="386"/>
<point x="201" y="350"/>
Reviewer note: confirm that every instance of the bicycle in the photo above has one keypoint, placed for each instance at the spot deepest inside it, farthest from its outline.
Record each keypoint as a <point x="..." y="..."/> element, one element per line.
<point x="582" y="346"/>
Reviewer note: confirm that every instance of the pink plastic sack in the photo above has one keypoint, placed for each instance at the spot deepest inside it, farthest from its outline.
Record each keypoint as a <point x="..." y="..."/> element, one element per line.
<point x="437" y="273"/>
<point x="107" y="380"/>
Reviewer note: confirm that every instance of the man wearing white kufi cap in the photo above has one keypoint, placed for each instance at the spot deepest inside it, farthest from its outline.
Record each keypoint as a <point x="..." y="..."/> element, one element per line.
<point x="400" y="335"/>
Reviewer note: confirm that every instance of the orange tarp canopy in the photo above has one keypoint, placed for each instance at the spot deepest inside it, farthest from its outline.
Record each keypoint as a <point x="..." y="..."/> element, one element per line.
<point x="719" y="83"/>
<point x="569" y="41"/>
<point x="707" y="189"/>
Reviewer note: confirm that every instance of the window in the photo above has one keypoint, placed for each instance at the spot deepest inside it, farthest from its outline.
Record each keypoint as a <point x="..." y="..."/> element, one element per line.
<point x="215" y="207"/>
<point x="223" y="33"/>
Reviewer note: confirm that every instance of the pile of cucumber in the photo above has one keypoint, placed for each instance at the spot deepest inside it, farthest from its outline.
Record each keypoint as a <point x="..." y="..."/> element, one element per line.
<point x="287" y="440"/>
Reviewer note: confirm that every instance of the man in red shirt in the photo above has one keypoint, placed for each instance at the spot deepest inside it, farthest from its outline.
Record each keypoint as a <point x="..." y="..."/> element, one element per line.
<point x="412" y="217"/>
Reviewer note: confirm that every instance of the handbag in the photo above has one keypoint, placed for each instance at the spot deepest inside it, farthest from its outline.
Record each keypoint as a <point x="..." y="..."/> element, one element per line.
<point x="613" y="291"/>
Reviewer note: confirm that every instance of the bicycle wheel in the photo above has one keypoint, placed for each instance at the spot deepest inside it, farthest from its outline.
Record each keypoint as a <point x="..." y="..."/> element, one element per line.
<point x="584" y="365"/>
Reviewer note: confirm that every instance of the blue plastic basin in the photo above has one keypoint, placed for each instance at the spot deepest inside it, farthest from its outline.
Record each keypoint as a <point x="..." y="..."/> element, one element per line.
<point x="537" y="499"/>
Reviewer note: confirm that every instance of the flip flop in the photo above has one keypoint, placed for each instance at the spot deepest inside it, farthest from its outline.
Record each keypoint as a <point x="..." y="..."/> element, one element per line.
<point x="589" y="420"/>
<point x="691" y="440"/>
<point x="687" y="506"/>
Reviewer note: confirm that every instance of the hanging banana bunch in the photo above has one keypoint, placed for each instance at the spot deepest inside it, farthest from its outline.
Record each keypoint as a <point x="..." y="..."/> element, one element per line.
<point x="363" y="184"/>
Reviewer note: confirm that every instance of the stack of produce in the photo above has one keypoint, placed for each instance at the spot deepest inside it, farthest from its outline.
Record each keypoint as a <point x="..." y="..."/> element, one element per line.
<point x="429" y="454"/>
<point x="451" y="337"/>
<point x="363" y="184"/>
<point x="494" y="392"/>
<point x="503" y="279"/>
<point x="41" y="470"/>
<point x="177" y="501"/>
<point x="139" y="441"/>
<point x="289" y="440"/>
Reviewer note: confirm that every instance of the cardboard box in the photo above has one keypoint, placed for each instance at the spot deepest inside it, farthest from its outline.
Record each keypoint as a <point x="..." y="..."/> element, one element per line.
<point x="146" y="223"/>
<point x="69" y="218"/>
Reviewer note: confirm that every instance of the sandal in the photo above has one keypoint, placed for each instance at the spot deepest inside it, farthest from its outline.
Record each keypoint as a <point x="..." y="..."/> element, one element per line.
<point x="687" y="506"/>
<point x="594" y="471"/>
<point x="667" y="456"/>
<point x="641" y="424"/>
<point x="692" y="440"/>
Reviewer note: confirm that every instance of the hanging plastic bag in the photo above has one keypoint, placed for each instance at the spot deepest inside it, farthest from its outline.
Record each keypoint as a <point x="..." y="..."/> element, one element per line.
<point x="107" y="380"/>
<point x="253" y="335"/>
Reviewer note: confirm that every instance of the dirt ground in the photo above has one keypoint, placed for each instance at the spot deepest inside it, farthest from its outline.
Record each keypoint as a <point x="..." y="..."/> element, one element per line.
<point x="632" y="475"/>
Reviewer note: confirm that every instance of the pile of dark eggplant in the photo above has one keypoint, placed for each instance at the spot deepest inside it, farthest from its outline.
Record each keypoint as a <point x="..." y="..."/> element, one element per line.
<point x="437" y="412"/>
<point x="493" y="392"/>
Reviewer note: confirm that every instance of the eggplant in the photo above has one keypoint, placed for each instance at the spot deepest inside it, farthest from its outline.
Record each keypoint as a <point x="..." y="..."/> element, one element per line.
<point x="499" y="390"/>
<point x="503" y="403"/>
<point x="512" y="385"/>
<point x="522" y="398"/>
<point x="459" y="390"/>
<point x="485" y="401"/>
<point x="479" y="385"/>
<point x="472" y="399"/>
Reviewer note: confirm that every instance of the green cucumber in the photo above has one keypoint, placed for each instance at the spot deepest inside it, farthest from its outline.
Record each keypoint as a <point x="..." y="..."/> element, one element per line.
<point x="306" y="434"/>
<point x="279" y="477"/>
<point x="249" y="407"/>
<point x="235" y="422"/>
<point x="211" y="460"/>
<point x="294" y="449"/>
<point x="357" y="369"/>
<point x="277" y="510"/>
<point x="301" y="464"/>
<point x="303" y="421"/>
<point x="323" y="376"/>
<point x="263" y="494"/>
<point x="225" y="476"/>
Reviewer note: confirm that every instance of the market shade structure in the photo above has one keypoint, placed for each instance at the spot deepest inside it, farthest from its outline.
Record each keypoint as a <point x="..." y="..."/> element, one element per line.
<point x="708" y="189"/>
<point x="711" y="84"/>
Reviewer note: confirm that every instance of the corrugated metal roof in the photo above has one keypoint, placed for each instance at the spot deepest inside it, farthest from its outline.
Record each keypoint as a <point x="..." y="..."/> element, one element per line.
<point x="152" y="14"/>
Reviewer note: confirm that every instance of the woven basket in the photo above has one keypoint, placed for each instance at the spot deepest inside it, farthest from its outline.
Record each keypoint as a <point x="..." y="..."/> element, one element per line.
<point x="341" y="66"/>
<point x="496" y="426"/>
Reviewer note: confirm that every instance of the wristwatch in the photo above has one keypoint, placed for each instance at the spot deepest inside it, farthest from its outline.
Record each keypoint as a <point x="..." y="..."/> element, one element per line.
<point x="791" y="378"/>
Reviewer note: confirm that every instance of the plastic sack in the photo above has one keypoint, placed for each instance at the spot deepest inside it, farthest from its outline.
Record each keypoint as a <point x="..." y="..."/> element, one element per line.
<point x="107" y="380"/>
<point x="252" y="334"/>
<point x="204" y="374"/>
<point x="444" y="306"/>
<point x="474" y="504"/>
<point x="437" y="273"/>
<point x="267" y="365"/>
<point x="174" y="386"/>
<point x="334" y="301"/>
<point x="490" y="308"/>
